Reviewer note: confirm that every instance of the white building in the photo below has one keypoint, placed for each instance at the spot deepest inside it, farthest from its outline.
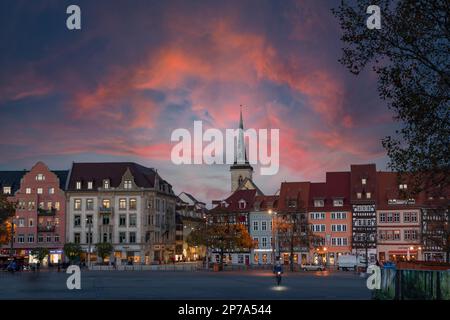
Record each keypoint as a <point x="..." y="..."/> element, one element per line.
<point x="125" y="204"/>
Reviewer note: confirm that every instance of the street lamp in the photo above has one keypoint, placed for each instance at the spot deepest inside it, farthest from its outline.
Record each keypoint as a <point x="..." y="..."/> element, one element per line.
<point x="12" y="236"/>
<point x="274" y="236"/>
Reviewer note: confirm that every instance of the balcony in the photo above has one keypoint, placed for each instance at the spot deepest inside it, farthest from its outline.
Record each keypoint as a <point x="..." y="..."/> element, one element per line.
<point x="105" y="210"/>
<point x="46" y="212"/>
<point x="42" y="228"/>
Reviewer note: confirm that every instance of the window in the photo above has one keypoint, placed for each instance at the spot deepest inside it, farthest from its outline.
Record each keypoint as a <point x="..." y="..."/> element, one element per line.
<point x="78" y="185"/>
<point x="132" y="220"/>
<point x="31" y="238"/>
<point x="48" y="238"/>
<point x="389" y="217"/>
<point x="317" y="216"/>
<point x="368" y="195"/>
<point x="382" y="217"/>
<point x="339" y="215"/>
<point x="56" y="237"/>
<point x="40" y="238"/>
<point x="397" y="217"/>
<point x="319" y="203"/>
<point x="106" y="203"/>
<point x="77" y="221"/>
<point x="122" y="204"/>
<point x="123" y="220"/>
<point x="318" y="227"/>
<point x="51" y="190"/>
<point x="339" y="242"/>
<point x="88" y="237"/>
<point x="105" y="219"/>
<point x="21" y="222"/>
<point x="242" y="204"/>
<point x="410" y="217"/>
<point x="77" y="204"/>
<point x="21" y="238"/>
<point x="363" y="181"/>
<point x="28" y="190"/>
<point x="396" y="234"/>
<point x="255" y="225"/>
<point x="358" y="195"/>
<point x="106" y="184"/>
<point x="132" y="237"/>
<point x="263" y="225"/>
<point x="30" y="222"/>
<point x="40" y="177"/>
<point x="122" y="237"/>
<point x="89" y="204"/>
<point x="39" y="190"/>
<point x="105" y="237"/>
<point x="89" y="220"/>
<point x="132" y="204"/>
<point x="6" y="190"/>
<point x="264" y="242"/>
<point x="90" y="185"/>
<point x="339" y="227"/>
<point x="403" y="186"/>
<point x="49" y="205"/>
<point x="76" y="237"/>
<point x="127" y="184"/>
<point x="57" y="205"/>
<point x="338" y="202"/>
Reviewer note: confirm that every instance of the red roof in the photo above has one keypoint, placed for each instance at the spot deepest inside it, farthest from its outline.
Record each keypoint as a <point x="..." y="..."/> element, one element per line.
<point x="296" y="192"/>
<point x="231" y="204"/>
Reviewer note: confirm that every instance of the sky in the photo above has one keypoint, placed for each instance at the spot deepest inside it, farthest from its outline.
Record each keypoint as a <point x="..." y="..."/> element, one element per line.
<point x="137" y="70"/>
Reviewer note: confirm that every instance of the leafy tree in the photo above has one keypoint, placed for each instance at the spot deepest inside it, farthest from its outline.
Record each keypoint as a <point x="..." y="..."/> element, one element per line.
<point x="72" y="251"/>
<point x="411" y="57"/>
<point x="104" y="249"/>
<point x="7" y="210"/>
<point x="226" y="237"/>
<point x="40" y="253"/>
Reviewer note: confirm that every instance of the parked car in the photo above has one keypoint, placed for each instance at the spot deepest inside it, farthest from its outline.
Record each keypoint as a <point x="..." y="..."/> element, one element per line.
<point x="313" y="267"/>
<point x="350" y="262"/>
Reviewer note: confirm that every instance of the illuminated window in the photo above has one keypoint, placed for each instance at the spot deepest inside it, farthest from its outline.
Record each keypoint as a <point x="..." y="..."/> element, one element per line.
<point x="90" y="185"/>
<point x="90" y="204"/>
<point x="319" y="203"/>
<point x="122" y="204"/>
<point x="106" y="184"/>
<point x="358" y="195"/>
<point x="338" y="202"/>
<point x="40" y="177"/>
<point x="127" y="184"/>
<point x="133" y="204"/>
<point x="368" y="195"/>
<point x="51" y="190"/>
<point x="363" y="181"/>
<point x="77" y="204"/>
<point x="106" y="203"/>
<point x="39" y="190"/>
<point x="78" y="185"/>
<point x="28" y="190"/>
<point x="6" y="190"/>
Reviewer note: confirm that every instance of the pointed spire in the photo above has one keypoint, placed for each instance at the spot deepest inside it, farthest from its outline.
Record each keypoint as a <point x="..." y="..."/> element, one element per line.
<point x="241" y="122"/>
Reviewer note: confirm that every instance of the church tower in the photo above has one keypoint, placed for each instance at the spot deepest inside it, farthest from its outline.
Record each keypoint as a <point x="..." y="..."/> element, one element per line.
<point x="241" y="169"/>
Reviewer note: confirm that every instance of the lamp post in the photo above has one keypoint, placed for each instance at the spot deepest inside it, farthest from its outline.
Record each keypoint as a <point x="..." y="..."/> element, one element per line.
<point x="274" y="236"/>
<point x="12" y="238"/>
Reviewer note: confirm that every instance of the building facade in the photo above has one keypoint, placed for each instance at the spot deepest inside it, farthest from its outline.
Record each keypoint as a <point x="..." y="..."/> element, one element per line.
<point x="363" y="189"/>
<point x="330" y="217"/>
<point x="123" y="203"/>
<point x="39" y="221"/>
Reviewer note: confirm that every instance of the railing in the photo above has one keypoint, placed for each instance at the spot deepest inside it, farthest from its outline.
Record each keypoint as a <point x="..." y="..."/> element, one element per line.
<point x="105" y="210"/>
<point x="46" y="212"/>
<point x="46" y="228"/>
<point x="139" y="267"/>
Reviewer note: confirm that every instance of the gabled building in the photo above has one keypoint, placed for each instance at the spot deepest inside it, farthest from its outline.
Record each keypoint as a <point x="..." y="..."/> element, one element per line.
<point x="126" y="204"/>
<point x="191" y="214"/>
<point x="39" y="221"/>
<point x="330" y="217"/>
<point x="363" y="189"/>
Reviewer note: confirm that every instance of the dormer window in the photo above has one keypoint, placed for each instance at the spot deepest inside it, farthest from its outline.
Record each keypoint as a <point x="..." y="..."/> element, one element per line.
<point x="127" y="184"/>
<point x="106" y="184"/>
<point x="363" y="181"/>
<point x="40" y="177"/>
<point x="319" y="203"/>
<point x="90" y="185"/>
<point x="403" y="186"/>
<point x="242" y="204"/>
<point x="358" y="195"/>
<point x="6" y="190"/>
<point x="292" y="203"/>
<point x="368" y="195"/>
<point x="78" y="185"/>
<point x="338" y="202"/>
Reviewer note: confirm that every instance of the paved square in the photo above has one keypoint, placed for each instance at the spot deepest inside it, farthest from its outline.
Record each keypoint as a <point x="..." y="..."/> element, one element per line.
<point x="185" y="285"/>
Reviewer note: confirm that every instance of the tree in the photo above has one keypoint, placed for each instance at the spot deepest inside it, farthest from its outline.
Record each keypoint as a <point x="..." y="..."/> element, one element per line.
<point x="72" y="251"/>
<point x="295" y="233"/>
<point x="7" y="210"/>
<point x="411" y="57"/>
<point x="40" y="253"/>
<point x="225" y="237"/>
<point x="104" y="249"/>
